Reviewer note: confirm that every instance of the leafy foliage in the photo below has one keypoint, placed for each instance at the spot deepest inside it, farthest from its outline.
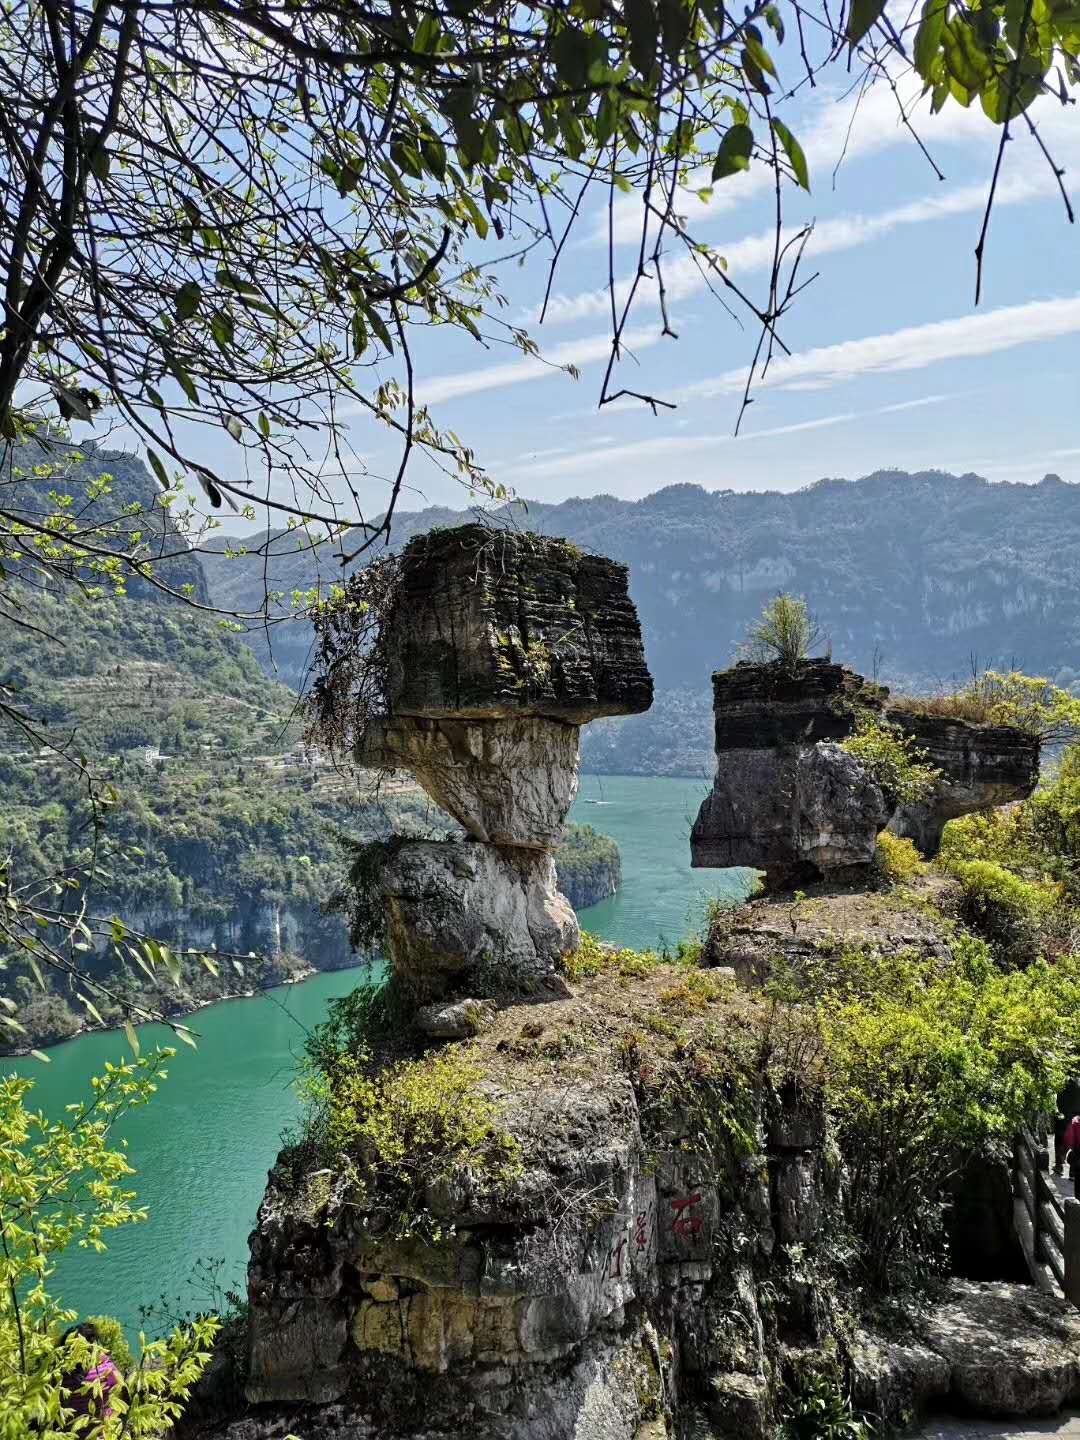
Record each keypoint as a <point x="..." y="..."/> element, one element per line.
<point x="587" y="865"/>
<point x="1029" y="703"/>
<point x="897" y="857"/>
<point x="927" y="1063"/>
<point x="784" y="632"/>
<point x="62" y="1183"/>
<point x="900" y="767"/>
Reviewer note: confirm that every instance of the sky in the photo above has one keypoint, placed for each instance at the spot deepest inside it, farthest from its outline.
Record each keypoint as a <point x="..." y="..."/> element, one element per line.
<point x="891" y="363"/>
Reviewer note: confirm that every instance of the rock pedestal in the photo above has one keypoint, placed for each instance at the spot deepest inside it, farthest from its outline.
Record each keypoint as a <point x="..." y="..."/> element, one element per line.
<point x="786" y="798"/>
<point x="499" y="646"/>
<point x="981" y="766"/>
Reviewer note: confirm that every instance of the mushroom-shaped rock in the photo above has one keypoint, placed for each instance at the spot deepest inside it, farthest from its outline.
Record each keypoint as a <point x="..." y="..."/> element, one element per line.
<point x="786" y="798"/>
<point x="981" y="766"/>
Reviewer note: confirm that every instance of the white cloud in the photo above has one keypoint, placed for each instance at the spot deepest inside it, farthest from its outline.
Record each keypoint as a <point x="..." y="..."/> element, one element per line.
<point x="683" y="278"/>
<point x="836" y="127"/>
<point x="912" y="348"/>
<point x="671" y="447"/>
<point x="519" y="372"/>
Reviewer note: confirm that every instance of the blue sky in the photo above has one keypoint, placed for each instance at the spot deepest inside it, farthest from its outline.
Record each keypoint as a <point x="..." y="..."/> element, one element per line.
<point x="892" y="363"/>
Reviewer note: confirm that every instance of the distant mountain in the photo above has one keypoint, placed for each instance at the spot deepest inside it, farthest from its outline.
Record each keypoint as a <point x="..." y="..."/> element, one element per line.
<point x="910" y="575"/>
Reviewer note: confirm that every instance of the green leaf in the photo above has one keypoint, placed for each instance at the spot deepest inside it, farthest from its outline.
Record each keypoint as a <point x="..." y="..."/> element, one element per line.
<point x="674" y="26"/>
<point x="184" y="380"/>
<point x="928" y="36"/>
<point x="794" y="152"/>
<point x="752" y="71"/>
<point x="863" y="15"/>
<point x="40" y="1055"/>
<point x="644" y="27"/>
<point x="234" y="427"/>
<point x="221" y="327"/>
<point x="132" y="1038"/>
<point x="734" y="153"/>
<point x="760" y="56"/>
<point x="264" y="425"/>
<point x="427" y="35"/>
<point x="158" y="468"/>
<point x="434" y="155"/>
<point x="775" y="22"/>
<point x="184" y="1034"/>
<point x="92" y="1009"/>
<point x="571" y="53"/>
<point x="187" y="300"/>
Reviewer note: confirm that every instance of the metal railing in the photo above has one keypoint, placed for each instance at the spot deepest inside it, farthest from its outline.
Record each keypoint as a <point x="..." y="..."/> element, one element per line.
<point x="1047" y="1224"/>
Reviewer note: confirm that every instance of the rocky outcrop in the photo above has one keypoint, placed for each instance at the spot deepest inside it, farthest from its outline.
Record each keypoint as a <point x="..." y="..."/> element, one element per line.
<point x="799" y="813"/>
<point x="496" y="648"/>
<point x="786" y="799"/>
<point x="987" y="1349"/>
<point x="981" y="766"/>
<point x="464" y="917"/>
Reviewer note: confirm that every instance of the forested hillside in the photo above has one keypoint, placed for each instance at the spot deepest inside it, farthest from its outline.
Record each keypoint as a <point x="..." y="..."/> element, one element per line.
<point x="910" y="575"/>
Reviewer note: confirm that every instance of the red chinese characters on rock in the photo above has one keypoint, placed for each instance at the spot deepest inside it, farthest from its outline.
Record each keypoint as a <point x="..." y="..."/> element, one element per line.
<point x="641" y="1228"/>
<point x="687" y="1220"/>
<point x="616" y="1267"/>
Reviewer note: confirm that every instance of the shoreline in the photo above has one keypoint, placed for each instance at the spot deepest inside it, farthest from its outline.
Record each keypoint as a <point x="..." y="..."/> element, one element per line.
<point x="25" y="1052"/>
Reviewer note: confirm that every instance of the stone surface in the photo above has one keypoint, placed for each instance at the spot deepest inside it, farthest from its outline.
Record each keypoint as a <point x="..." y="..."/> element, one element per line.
<point x="989" y="1349"/>
<point x="761" y="706"/>
<point x="981" y="765"/>
<point x="798" y="812"/>
<point x="497" y="623"/>
<point x="468" y="917"/>
<point x="457" y="1020"/>
<point x="509" y="781"/>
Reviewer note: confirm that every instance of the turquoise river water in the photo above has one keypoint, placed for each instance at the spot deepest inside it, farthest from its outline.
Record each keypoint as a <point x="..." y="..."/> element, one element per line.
<point x="203" y="1147"/>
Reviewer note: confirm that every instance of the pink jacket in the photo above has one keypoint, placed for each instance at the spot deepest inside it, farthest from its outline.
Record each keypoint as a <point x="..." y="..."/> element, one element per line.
<point x="1071" y="1140"/>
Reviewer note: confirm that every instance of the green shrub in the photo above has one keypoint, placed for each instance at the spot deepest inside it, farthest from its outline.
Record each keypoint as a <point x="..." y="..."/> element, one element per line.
<point x="596" y="957"/>
<point x="897" y="858"/>
<point x="784" y="633"/>
<point x="815" y="1407"/>
<point x="893" y="759"/>
<point x="1022" y="918"/>
<point x="924" y="1069"/>
<point x="404" y="1129"/>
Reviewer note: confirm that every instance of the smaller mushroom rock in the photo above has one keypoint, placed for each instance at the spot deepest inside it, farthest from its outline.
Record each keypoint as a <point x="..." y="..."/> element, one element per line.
<point x="497" y="623"/>
<point x="509" y="781"/>
<point x="981" y="766"/>
<point x="786" y="799"/>
<point x="462" y="911"/>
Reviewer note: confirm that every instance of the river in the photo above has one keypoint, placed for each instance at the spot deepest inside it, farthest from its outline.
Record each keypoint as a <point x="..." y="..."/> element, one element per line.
<point x="202" y="1148"/>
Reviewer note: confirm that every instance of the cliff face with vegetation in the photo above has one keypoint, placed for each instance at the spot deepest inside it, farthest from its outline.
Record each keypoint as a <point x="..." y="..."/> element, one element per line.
<point x="910" y="574"/>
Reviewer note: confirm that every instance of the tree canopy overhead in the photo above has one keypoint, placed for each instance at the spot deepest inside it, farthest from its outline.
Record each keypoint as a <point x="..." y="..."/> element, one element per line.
<point x="235" y="215"/>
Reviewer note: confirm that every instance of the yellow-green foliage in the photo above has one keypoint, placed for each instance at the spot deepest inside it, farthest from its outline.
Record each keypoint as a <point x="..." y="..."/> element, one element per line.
<point x="595" y="957"/>
<point x="990" y="888"/>
<point x="416" y="1124"/>
<point x="696" y="992"/>
<point x="1027" y="702"/>
<point x="897" y="857"/>
<point x="784" y="632"/>
<point x="925" y="1068"/>
<point x="63" y="1185"/>
<point x="893" y="759"/>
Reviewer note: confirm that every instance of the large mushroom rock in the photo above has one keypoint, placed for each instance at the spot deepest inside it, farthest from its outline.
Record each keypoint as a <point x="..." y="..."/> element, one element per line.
<point x="464" y="917"/>
<point x="981" y="765"/>
<point x="797" y="812"/>
<point x="509" y="782"/>
<point x="786" y="798"/>
<point x="497" y="623"/>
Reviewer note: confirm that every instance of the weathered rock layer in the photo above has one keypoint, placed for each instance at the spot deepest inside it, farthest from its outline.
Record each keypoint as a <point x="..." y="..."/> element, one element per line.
<point x="981" y="766"/>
